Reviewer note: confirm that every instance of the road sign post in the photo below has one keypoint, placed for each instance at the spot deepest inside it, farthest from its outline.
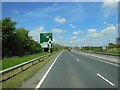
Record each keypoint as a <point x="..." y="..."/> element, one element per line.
<point x="46" y="41"/>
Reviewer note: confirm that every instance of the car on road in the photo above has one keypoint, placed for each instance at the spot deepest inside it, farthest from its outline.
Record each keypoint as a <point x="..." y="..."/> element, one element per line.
<point x="68" y="49"/>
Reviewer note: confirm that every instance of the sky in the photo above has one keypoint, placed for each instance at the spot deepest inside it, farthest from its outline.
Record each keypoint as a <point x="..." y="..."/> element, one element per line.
<point x="72" y="23"/>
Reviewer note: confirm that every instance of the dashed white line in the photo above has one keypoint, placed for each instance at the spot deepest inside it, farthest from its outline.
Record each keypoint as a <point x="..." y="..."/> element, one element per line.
<point x="43" y="78"/>
<point x="100" y="60"/>
<point x="105" y="79"/>
<point x="77" y="59"/>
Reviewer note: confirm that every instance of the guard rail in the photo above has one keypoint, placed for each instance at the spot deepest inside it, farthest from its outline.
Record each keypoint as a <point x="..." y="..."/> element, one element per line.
<point x="12" y="71"/>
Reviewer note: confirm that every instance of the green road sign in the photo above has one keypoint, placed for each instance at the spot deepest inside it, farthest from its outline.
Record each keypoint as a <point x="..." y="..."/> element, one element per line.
<point x="46" y="40"/>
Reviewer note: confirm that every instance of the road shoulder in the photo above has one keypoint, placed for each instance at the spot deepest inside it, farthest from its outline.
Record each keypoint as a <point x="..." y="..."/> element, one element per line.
<point x="32" y="82"/>
<point x="99" y="58"/>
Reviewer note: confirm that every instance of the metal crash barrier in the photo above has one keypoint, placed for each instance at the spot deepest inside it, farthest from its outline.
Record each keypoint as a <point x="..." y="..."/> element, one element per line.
<point x="12" y="71"/>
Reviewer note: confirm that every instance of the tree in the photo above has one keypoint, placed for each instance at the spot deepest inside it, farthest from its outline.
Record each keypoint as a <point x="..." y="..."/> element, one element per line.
<point x="111" y="44"/>
<point x="8" y="36"/>
<point x="34" y="47"/>
<point x="0" y="38"/>
<point x="118" y="40"/>
<point x="16" y="41"/>
<point x="22" y="40"/>
<point x="26" y="45"/>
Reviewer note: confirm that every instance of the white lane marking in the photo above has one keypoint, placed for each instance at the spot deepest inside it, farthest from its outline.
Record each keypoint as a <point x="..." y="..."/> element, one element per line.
<point x="105" y="79"/>
<point x="99" y="60"/>
<point x="43" y="78"/>
<point x="77" y="59"/>
<point x="72" y="55"/>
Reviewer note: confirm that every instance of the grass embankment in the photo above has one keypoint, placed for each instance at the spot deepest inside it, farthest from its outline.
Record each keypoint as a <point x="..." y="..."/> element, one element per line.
<point x="109" y="51"/>
<point x="16" y="81"/>
<point x="12" y="61"/>
<point x="112" y="51"/>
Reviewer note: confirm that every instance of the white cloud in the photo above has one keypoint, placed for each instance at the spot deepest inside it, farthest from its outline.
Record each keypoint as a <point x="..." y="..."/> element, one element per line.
<point x="56" y="30"/>
<point x="105" y="22"/>
<point x="74" y="37"/>
<point x="110" y="4"/>
<point x="72" y="26"/>
<point x="92" y="31"/>
<point x="71" y="41"/>
<point x="108" y="24"/>
<point x="109" y="7"/>
<point x="93" y="34"/>
<point x="35" y="33"/>
<point x="76" y="32"/>
<point x="60" y="20"/>
<point x="109" y="30"/>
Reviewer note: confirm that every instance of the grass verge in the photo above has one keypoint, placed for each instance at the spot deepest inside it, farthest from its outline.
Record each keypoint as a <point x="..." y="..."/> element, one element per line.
<point x="112" y="51"/>
<point x="12" y="61"/>
<point x="18" y="80"/>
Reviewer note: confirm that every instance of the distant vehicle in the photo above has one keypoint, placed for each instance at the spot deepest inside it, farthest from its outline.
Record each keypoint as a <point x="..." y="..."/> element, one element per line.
<point x="68" y="49"/>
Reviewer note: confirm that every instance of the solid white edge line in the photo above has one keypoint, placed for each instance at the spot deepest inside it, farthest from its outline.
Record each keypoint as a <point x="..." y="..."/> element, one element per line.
<point x="77" y="59"/>
<point x="105" y="79"/>
<point x="43" y="78"/>
<point x="100" y="60"/>
<point x="108" y="62"/>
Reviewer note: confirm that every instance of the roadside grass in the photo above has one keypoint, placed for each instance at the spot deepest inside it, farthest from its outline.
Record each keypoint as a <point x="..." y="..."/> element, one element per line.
<point x="12" y="61"/>
<point x="16" y="81"/>
<point x="0" y="64"/>
<point x="109" y="51"/>
<point x="112" y="51"/>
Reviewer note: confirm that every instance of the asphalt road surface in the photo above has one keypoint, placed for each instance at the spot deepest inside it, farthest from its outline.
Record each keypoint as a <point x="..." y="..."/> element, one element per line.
<point x="72" y="70"/>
